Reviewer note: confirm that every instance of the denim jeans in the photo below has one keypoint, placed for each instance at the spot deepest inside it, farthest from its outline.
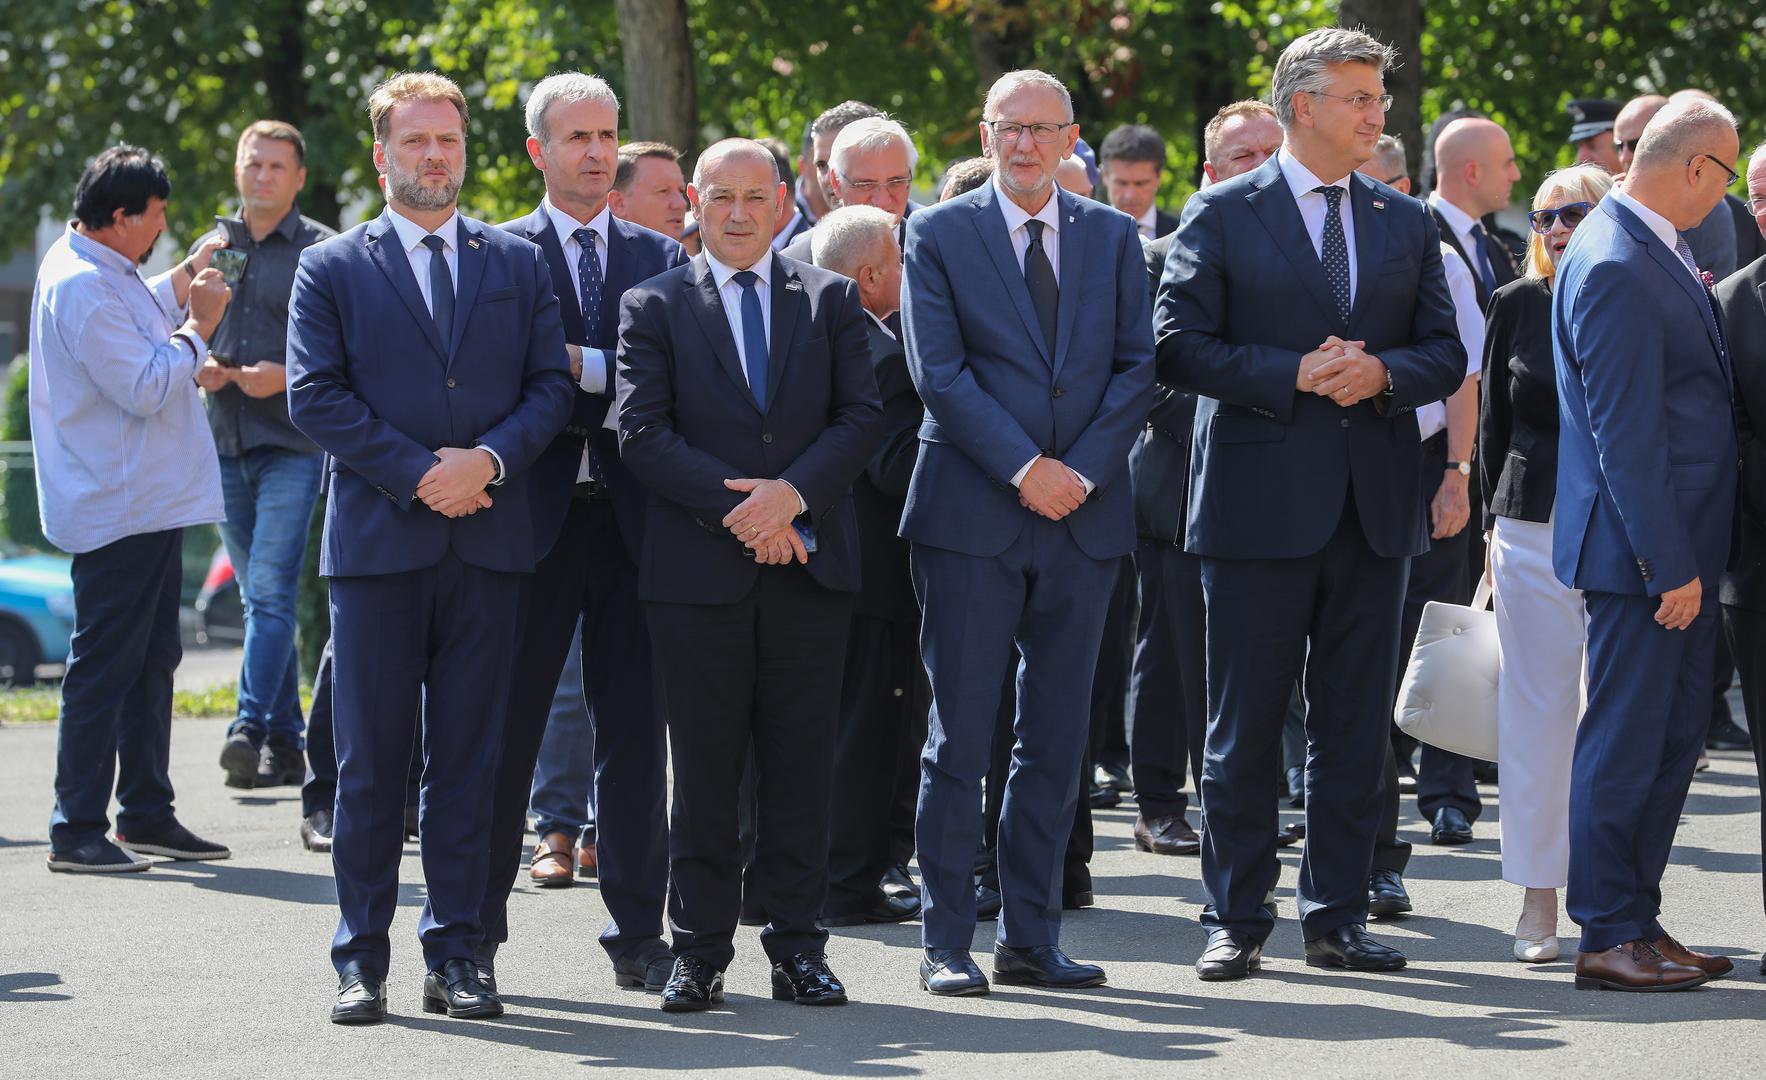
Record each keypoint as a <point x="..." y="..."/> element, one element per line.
<point x="563" y="793"/>
<point x="269" y="495"/>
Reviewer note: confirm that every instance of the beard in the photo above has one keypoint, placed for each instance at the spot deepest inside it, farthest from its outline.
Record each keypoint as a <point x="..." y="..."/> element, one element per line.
<point x="408" y="189"/>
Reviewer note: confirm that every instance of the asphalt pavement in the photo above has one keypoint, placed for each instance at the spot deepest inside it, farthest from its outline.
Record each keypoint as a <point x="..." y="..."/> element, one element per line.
<point x="221" y="970"/>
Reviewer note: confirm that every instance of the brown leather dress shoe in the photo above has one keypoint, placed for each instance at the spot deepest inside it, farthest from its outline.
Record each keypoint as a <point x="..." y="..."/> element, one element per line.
<point x="586" y="864"/>
<point x="553" y="865"/>
<point x="1168" y="835"/>
<point x="1635" y="966"/>
<point x="1714" y="966"/>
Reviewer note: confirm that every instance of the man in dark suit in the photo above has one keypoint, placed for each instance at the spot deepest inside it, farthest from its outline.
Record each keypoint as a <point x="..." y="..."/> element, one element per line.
<point x="588" y="529"/>
<point x="871" y="163"/>
<point x="812" y="162"/>
<point x="1742" y="299"/>
<point x="747" y="407"/>
<point x="1131" y="163"/>
<point x="1645" y="509"/>
<point x="1301" y="507"/>
<point x="1027" y="337"/>
<point x="1475" y="177"/>
<point x="426" y="356"/>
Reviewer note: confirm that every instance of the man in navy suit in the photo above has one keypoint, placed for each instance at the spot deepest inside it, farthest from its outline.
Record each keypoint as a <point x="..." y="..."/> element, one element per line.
<point x="1646" y="503"/>
<point x="1305" y="305"/>
<point x="426" y="356"/>
<point x="1025" y="310"/>
<point x="747" y="407"/>
<point x="588" y="527"/>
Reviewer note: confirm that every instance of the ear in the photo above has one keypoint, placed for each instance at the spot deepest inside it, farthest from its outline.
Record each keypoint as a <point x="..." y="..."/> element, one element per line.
<point x="1302" y="104"/>
<point x="783" y="201"/>
<point x="379" y="157"/>
<point x="536" y="153"/>
<point x="1072" y="140"/>
<point x="1208" y="171"/>
<point x="616" y="202"/>
<point x="300" y="178"/>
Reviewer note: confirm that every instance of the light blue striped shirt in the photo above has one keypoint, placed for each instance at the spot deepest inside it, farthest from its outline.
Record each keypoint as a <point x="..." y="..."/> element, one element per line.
<point x="117" y="428"/>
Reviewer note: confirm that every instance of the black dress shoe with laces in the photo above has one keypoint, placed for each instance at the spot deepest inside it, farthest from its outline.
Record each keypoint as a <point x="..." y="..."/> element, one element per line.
<point x="1386" y="895"/>
<point x="455" y="989"/>
<point x="239" y="758"/>
<point x="1352" y="947"/>
<point x="1042" y="965"/>
<point x="806" y="979"/>
<point x="649" y="968"/>
<point x="1450" y="828"/>
<point x="896" y="882"/>
<point x="281" y="763"/>
<point x="693" y="987"/>
<point x="884" y="909"/>
<point x="987" y="902"/>
<point x="1229" y="955"/>
<point x="951" y="973"/>
<point x="361" y="996"/>
<point x="1725" y="735"/>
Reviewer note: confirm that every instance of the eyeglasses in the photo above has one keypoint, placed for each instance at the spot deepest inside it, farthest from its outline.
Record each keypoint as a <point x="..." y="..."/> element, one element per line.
<point x="895" y="185"/>
<point x="1007" y="131"/>
<point x="1733" y="175"/>
<point x="1359" y="102"/>
<point x="1571" y="214"/>
<point x="1627" y="146"/>
<point x="1757" y="205"/>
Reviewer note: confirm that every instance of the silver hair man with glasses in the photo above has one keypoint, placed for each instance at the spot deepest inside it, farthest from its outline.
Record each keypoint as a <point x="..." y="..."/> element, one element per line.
<point x="871" y="163"/>
<point x="1303" y="480"/>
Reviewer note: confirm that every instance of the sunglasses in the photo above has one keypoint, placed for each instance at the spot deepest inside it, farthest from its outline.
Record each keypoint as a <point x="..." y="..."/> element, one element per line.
<point x="1571" y="213"/>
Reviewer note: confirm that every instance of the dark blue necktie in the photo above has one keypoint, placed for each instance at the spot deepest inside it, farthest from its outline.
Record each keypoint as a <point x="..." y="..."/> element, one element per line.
<point x="588" y="276"/>
<point x="1336" y="249"/>
<point x="441" y="292"/>
<point x="1481" y="259"/>
<point x="1039" y="278"/>
<point x="754" y="347"/>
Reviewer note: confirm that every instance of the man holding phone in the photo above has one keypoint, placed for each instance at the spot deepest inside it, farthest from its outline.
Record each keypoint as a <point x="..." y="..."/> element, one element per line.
<point x="269" y="471"/>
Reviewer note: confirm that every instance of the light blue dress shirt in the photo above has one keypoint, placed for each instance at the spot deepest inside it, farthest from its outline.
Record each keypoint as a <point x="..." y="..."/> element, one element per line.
<point x="117" y="427"/>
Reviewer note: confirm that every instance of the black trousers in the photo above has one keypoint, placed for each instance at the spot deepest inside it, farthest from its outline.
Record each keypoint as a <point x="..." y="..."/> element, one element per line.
<point x="763" y="673"/>
<point x="319" y="792"/>
<point x="1168" y="694"/>
<point x="116" y="697"/>
<point x="1745" y="629"/>
<point x="882" y="694"/>
<point x="1110" y="732"/>
<point x="588" y="574"/>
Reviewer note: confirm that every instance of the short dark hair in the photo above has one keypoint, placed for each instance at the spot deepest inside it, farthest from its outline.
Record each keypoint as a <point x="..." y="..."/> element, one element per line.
<point x="963" y="176"/>
<point x="782" y="158"/>
<point x="122" y="178"/>
<point x="1132" y="142"/>
<point x="280" y="131"/>
<point x="836" y="118"/>
<point x="629" y="156"/>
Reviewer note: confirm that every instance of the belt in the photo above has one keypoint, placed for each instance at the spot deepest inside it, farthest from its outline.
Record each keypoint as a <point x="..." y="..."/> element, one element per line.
<point x="591" y="491"/>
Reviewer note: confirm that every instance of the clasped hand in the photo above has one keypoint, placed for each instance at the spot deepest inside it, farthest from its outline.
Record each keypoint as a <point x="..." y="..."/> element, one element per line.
<point x="454" y="485"/>
<point x="1051" y="489"/>
<point x="762" y="521"/>
<point x="1342" y="371"/>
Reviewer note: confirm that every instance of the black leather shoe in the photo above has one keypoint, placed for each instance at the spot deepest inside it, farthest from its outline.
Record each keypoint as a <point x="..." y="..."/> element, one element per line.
<point x="412" y="828"/>
<point x="174" y="842"/>
<point x="361" y="996"/>
<point x="1166" y="834"/>
<point x="951" y="973"/>
<point x="1451" y="828"/>
<point x="1352" y="947"/>
<point x="486" y="966"/>
<point x="807" y="980"/>
<point x="1112" y="776"/>
<point x="1042" y="965"/>
<point x="987" y="902"/>
<point x="239" y="758"/>
<point x="1485" y="772"/>
<point x="1725" y="735"/>
<point x="885" y="909"/>
<point x="98" y="857"/>
<point x="1103" y="798"/>
<point x="315" y="831"/>
<point x="1289" y="835"/>
<point x="281" y="763"/>
<point x="896" y="882"/>
<point x="1386" y="896"/>
<point x="694" y="986"/>
<point x="1077" y="900"/>
<point x="455" y="989"/>
<point x="649" y="968"/>
<point x="1229" y="955"/>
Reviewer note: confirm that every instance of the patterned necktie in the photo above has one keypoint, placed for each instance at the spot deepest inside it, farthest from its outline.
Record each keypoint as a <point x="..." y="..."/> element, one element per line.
<point x="441" y="292"/>
<point x="1336" y="249"/>
<point x="1039" y="277"/>
<point x="754" y="346"/>
<point x="1481" y="259"/>
<point x="588" y="276"/>
<point x="1684" y="250"/>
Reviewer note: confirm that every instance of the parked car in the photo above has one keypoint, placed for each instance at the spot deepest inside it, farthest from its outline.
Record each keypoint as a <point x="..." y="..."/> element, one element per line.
<point x="36" y="615"/>
<point x="220" y="614"/>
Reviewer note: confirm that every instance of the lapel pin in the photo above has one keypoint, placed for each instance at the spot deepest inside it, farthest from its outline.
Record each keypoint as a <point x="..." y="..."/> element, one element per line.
<point x="473" y="244"/>
<point x="1379" y="204"/>
<point x="793" y="285"/>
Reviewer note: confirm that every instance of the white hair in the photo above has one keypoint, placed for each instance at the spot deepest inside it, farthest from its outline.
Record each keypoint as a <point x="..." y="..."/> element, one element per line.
<point x="565" y="86"/>
<point x="1013" y="81"/>
<point x="867" y="135"/>
<point x="849" y="237"/>
<point x="1304" y="66"/>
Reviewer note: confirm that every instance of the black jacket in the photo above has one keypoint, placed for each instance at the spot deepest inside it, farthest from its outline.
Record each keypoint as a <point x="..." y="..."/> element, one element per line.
<point x="1742" y="298"/>
<point x="1502" y="260"/>
<point x="880" y="492"/>
<point x="1749" y="244"/>
<point x="1518" y="413"/>
<point x="1159" y="463"/>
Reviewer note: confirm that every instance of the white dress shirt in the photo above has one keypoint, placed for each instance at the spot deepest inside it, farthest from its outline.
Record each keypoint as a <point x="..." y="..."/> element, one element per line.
<point x="729" y="291"/>
<point x="1432" y="417"/>
<point x="1661" y="226"/>
<point x="1312" y="206"/>
<point x="1148" y="223"/>
<point x="594" y="377"/>
<point x="1461" y="223"/>
<point x="784" y="236"/>
<point x="881" y="325"/>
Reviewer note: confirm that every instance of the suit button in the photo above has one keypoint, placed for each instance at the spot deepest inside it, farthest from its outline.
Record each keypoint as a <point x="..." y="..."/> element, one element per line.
<point x="1058" y="392"/>
<point x="450" y="384"/>
<point x="767" y="437"/>
<point x="1344" y="422"/>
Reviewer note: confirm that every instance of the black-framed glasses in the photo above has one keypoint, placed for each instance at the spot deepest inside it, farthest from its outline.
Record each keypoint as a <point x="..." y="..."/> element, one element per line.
<point x="1007" y="131"/>
<point x="1733" y="175"/>
<point x="1359" y="102"/>
<point x="1571" y="214"/>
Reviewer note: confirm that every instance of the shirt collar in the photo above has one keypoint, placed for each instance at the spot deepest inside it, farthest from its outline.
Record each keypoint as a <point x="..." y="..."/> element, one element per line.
<point x="1661" y="226"/>
<point x="783" y="236"/>
<point x="107" y="257"/>
<point x="1016" y="216"/>
<point x="411" y="234"/>
<point x="1458" y="220"/>
<point x="1149" y="220"/>
<point x="1301" y="180"/>
<point x="565" y="225"/>
<point x="722" y="274"/>
<point x="881" y="325"/>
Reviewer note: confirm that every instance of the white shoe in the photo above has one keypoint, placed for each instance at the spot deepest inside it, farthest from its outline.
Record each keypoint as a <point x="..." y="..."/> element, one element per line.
<point x="1536" y="952"/>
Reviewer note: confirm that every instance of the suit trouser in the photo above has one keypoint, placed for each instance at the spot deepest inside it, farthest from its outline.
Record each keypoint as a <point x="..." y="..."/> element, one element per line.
<point x="563" y="795"/>
<point x="319" y="791"/>
<point x="1076" y="856"/>
<point x="116" y="697"/>
<point x="1746" y="631"/>
<point x="442" y="638"/>
<point x="1649" y="703"/>
<point x="762" y="673"/>
<point x="1540" y="646"/>
<point x="588" y="575"/>
<point x="1109" y="688"/>
<point x="1346" y="602"/>
<point x="1050" y="597"/>
<point x="1168" y="693"/>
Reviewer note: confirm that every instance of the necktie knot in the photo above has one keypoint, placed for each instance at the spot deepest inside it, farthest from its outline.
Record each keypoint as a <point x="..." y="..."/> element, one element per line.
<point x="1333" y="195"/>
<point x="434" y="243"/>
<point x="1034" y="228"/>
<point x="746" y="278"/>
<point x="1477" y="231"/>
<point x="586" y="237"/>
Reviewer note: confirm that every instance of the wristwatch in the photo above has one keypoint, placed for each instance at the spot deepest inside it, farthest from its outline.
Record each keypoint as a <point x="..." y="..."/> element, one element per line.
<point x="1464" y="468"/>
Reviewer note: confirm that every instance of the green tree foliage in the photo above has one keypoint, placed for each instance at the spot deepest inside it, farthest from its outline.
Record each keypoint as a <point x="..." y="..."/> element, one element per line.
<point x="18" y="495"/>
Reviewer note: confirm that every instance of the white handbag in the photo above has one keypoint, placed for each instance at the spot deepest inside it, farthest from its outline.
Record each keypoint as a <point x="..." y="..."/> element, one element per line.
<point x="1448" y="696"/>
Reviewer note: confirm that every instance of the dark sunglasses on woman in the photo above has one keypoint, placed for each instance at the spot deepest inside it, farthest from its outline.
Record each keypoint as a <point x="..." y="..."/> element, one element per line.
<point x="1572" y="213"/>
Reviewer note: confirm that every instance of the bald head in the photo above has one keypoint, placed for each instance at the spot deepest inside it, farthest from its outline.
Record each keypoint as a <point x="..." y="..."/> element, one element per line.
<point x="738" y="199"/>
<point x="1629" y="125"/>
<point x="1757" y="187"/>
<point x="1681" y="166"/>
<point x="1475" y="165"/>
<point x="732" y="153"/>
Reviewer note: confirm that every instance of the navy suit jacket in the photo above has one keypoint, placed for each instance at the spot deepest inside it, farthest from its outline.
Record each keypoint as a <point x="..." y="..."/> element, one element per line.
<point x="1243" y="298"/>
<point x="995" y="396"/>
<point x="634" y="254"/>
<point x="1647" y="455"/>
<point x="688" y="422"/>
<point x="375" y="385"/>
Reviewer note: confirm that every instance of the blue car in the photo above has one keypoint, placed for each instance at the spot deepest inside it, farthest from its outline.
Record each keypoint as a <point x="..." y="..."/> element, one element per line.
<point x="36" y="615"/>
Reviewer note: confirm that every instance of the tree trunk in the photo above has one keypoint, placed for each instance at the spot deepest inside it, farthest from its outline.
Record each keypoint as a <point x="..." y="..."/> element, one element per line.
<point x="660" y="93"/>
<point x="1000" y="33"/>
<point x="1398" y="23"/>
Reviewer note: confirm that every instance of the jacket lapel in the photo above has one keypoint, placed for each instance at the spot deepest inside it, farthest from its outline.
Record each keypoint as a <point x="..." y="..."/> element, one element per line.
<point x="385" y="252"/>
<point x="470" y="262"/>
<point x="991" y="224"/>
<point x="620" y="273"/>
<point x="1669" y="261"/>
<point x="1273" y="203"/>
<point x="1452" y="240"/>
<point x="1370" y="241"/>
<point x="789" y="307"/>
<point x="540" y="231"/>
<point x="708" y="309"/>
<point x="1075" y="246"/>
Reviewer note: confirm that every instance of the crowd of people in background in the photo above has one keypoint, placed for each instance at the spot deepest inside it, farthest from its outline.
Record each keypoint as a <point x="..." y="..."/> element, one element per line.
<point x="898" y="534"/>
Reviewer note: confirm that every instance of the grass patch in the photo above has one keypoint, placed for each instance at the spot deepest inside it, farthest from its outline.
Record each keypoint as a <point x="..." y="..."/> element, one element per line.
<point x="42" y="704"/>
